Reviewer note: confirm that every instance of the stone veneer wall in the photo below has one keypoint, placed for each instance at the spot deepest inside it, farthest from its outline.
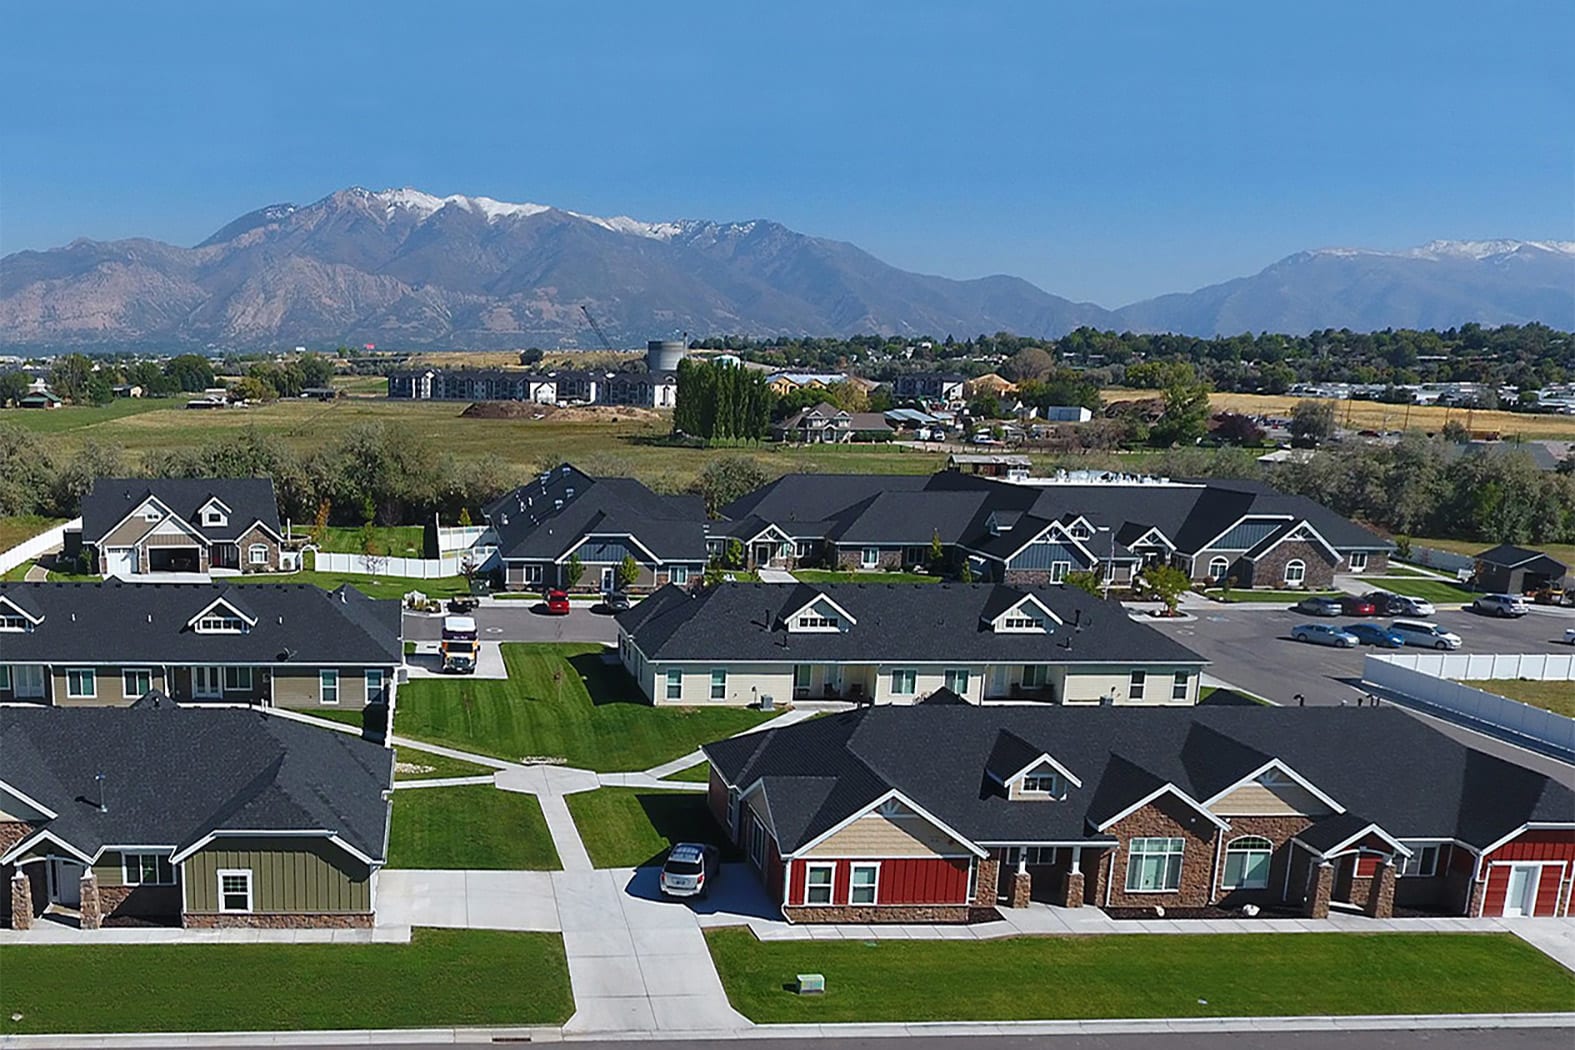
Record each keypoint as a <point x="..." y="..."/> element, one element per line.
<point x="1278" y="830"/>
<point x="210" y="920"/>
<point x="1166" y="817"/>
<point x="915" y="913"/>
<point x="155" y="903"/>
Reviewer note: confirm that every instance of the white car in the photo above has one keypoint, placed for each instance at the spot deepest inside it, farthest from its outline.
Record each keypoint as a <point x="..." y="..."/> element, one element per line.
<point x="1425" y="635"/>
<point x="1569" y="635"/>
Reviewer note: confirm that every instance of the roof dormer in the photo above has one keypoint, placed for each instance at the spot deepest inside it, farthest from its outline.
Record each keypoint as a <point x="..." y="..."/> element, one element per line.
<point x="1027" y="615"/>
<point x="214" y="514"/>
<point x="1027" y="773"/>
<point x="15" y="617"/>
<point x="817" y="614"/>
<point x="222" y="616"/>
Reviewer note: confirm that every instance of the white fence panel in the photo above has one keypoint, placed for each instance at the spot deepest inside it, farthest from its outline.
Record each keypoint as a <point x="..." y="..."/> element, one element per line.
<point x="1410" y="676"/>
<point x="464" y="537"/>
<point x="30" y="549"/>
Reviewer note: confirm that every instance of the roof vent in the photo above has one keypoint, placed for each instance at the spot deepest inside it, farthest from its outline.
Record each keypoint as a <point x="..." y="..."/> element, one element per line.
<point x="557" y="504"/>
<point x="150" y="617"/>
<point x="281" y="620"/>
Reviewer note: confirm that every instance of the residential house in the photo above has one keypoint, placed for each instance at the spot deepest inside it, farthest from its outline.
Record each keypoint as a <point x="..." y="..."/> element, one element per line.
<point x="947" y="387"/>
<point x="565" y="516"/>
<point x="999" y="465"/>
<point x="40" y="399"/>
<point x="943" y="813"/>
<point x="828" y="424"/>
<point x="156" y="814"/>
<point x="269" y="645"/>
<point x="784" y="383"/>
<point x="989" y="384"/>
<point x="1508" y="569"/>
<point x="136" y="526"/>
<point x="899" y="644"/>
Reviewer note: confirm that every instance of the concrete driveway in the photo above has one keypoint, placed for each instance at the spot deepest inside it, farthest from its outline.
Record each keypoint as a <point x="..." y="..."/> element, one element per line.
<point x="517" y="621"/>
<point x="426" y="662"/>
<point x="491" y="900"/>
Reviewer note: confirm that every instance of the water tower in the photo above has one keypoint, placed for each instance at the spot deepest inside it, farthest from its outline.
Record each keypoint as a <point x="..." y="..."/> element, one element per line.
<point x="663" y="355"/>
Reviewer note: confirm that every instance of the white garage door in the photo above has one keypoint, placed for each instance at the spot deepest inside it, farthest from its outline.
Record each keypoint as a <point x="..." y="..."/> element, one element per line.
<point x="120" y="561"/>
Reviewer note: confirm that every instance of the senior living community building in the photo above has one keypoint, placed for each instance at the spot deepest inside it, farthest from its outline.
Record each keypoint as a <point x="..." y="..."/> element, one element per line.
<point x="141" y="526"/>
<point x="167" y="815"/>
<point x="275" y="645"/>
<point x="899" y="643"/>
<point x="941" y="813"/>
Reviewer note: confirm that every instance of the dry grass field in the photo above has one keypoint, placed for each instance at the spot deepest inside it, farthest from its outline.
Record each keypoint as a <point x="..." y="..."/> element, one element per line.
<point x="1371" y="415"/>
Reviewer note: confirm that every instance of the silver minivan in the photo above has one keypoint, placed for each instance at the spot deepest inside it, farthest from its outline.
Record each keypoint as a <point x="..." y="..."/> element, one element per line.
<point x="1425" y="635"/>
<point x="1500" y="605"/>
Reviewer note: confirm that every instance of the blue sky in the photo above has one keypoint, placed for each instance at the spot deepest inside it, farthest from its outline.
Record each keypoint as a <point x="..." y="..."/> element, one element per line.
<point x="1106" y="151"/>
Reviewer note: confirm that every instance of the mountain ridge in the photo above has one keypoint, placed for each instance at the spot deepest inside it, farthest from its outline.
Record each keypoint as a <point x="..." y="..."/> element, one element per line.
<point x="413" y="269"/>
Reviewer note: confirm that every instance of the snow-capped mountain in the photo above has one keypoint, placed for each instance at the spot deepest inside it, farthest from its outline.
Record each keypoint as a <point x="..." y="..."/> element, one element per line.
<point x="403" y="267"/>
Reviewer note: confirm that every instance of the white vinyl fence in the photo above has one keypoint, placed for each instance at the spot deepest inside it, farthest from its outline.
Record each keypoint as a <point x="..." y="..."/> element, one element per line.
<point x="407" y="568"/>
<point x="464" y="538"/>
<point x="1430" y="679"/>
<point x="29" y="549"/>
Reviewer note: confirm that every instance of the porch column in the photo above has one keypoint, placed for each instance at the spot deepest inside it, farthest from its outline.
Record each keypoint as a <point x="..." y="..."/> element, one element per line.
<point x="1072" y="885"/>
<point x="1381" y="894"/>
<point x="1319" y="892"/>
<point x="21" y="901"/>
<point x="1022" y="882"/>
<point x="91" y="908"/>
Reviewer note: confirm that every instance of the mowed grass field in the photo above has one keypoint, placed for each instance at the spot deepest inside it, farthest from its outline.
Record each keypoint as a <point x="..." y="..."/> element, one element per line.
<point x="1564" y="552"/>
<point x="1371" y="415"/>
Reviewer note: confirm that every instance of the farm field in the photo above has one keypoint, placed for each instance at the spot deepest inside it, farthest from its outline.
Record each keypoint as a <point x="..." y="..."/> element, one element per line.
<point x="1373" y="415"/>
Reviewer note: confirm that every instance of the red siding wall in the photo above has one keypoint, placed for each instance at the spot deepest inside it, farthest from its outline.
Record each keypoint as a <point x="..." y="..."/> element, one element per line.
<point x="927" y="880"/>
<point x="1537" y="845"/>
<point x="1526" y="847"/>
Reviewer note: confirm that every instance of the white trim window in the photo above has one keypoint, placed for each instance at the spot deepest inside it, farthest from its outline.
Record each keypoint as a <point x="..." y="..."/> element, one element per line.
<point x="328" y="686"/>
<point x="718" y="684"/>
<point x="957" y="680"/>
<point x="1422" y="863"/>
<point x="532" y="573"/>
<point x="237" y="679"/>
<point x="135" y="682"/>
<point x="1136" y="682"/>
<point x="864" y="884"/>
<point x="221" y="624"/>
<point x="1178" y="687"/>
<point x="1154" y="865"/>
<point x="1218" y="567"/>
<point x="81" y="683"/>
<point x="235" y="890"/>
<point x="13" y="624"/>
<point x="1021" y="621"/>
<point x="674" y="688"/>
<point x="1247" y="862"/>
<point x="1058" y="571"/>
<point x="5" y="676"/>
<point x="1295" y="572"/>
<point x="1357" y="560"/>
<point x="257" y="554"/>
<point x="146" y="869"/>
<point x="374" y="685"/>
<point x="904" y="681"/>
<point x="1035" y="676"/>
<point x="869" y="558"/>
<point x="1046" y="782"/>
<point x="818" y="882"/>
<point x="678" y="575"/>
<point x="803" y="675"/>
<point x="207" y="683"/>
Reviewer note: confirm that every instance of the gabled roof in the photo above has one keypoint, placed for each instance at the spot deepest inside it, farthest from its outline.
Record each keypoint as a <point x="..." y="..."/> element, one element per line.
<point x="550" y="515"/>
<point x="249" y="501"/>
<point x="918" y="623"/>
<point x="941" y="755"/>
<point x="116" y="621"/>
<point x="238" y="770"/>
<point x="1509" y="556"/>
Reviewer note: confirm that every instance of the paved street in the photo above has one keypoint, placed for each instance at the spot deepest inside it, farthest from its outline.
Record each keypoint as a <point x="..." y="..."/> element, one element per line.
<point x="517" y="621"/>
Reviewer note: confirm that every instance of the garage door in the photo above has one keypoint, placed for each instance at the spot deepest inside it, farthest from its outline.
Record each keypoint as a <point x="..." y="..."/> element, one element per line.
<point x="120" y="561"/>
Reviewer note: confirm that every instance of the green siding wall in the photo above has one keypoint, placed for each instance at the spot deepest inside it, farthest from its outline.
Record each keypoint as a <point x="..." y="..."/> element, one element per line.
<point x="288" y="875"/>
<point x="109" y="870"/>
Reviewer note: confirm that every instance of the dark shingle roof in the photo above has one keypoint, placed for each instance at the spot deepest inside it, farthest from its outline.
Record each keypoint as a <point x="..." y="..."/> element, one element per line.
<point x="1512" y="557"/>
<point x="118" y="622"/>
<point x="1394" y="770"/>
<point x="249" y="500"/>
<point x="172" y="774"/>
<point x="545" y="517"/>
<point x="922" y="623"/>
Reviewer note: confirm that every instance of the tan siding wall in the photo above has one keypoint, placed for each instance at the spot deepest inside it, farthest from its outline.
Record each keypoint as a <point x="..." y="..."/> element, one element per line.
<point x="128" y="533"/>
<point x="109" y="685"/>
<point x="109" y="870"/>
<point x="1089" y="684"/>
<point x="301" y="687"/>
<point x="288" y="876"/>
<point x="1256" y="800"/>
<point x="746" y="683"/>
<point x="909" y="835"/>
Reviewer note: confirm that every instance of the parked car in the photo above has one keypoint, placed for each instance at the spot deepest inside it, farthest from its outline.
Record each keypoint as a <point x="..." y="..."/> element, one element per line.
<point x="1569" y="635"/>
<point x="1318" y="607"/>
<point x="984" y="439"/>
<point x="1499" y="605"/>
<point x="1387" y="604"/>
<point x="689" y="870"/>
<point x="1377" y="634"/>
<point x="1324" y="634"/>
<point x="1351" y="605"/>
<point x="463" y="603"/>
<point x="615" y="601"/>
<point x="1425" y="635"/>
<point x="557" y="603"/>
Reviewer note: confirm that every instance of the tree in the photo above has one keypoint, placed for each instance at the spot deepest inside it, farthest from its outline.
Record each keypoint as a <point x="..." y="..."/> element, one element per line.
<point x="1168" y="584"/>
<point x="1028" y="363"/>
<point x="1186" y="416"/>
<point x="966" y="573"/>
<point x="733" y="558"/>
<point x="69" y="376"/>
<point x="1084" y="581"/>
<point x="250" y="388"/>
<point x="574" y="570"/>
<point x="726" y="479"/>
<point x="628" y="572"/>
<point x="1236" y="429"/>
<point x="464" y="517"/>
<point x="190" y="373"/>
<point x="1312" y="423"/>
<point x="937" y="560"/>
<point x="13" y="387"/>
<point x="1455" y="432"/>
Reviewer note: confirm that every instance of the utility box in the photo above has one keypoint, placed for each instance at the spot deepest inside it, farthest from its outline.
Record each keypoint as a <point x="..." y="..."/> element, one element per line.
<point x="767" y="702"/>
<point x="810" y="984"/>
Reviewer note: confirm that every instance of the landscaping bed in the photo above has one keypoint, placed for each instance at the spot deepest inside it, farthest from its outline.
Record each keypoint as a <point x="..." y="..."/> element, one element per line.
<point x="561" y="703"/>
<point x="876" y="576"/>
<point x="426" y="765"/>
<point x="473" y="826"/>
<point x="1140" y="975"/>
<point x="442" y="978"/>
<point x="635" y="827"/>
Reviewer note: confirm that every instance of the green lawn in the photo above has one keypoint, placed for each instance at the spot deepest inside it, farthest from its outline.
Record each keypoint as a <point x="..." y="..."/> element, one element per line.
<point x="1239" y="595"/>
<point x="1137" y="975"/>
<point x="1564" y="552"/>
<point x="14" y="530"/>
<point x="633" y="827"/>
<point x="1558" y="697"/>
<point x="400" y="541"/>
<point x="428" y="765"/>
<point x="700" y="773"/>
<point x="371" y="586"/>
<point x="442" y="978"/>
<point x="827" y="576"/>
<point x="476" y="826"/>
<point x="1435" y="591"/>
<point x="561" y="703"/>
<point x="84" y="417"/>
<point x="1405" y="571"/>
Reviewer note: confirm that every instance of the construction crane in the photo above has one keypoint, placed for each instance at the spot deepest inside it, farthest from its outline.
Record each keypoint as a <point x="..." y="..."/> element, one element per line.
<point x="606" y="343"/>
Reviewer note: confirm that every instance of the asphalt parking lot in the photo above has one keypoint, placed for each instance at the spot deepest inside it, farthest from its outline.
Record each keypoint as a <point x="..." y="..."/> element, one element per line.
<point x="518" y="621"/>
<point x="1250" y="647"/>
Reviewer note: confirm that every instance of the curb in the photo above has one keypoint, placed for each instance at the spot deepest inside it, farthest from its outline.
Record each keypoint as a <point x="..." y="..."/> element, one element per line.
<point x="1112" y="1026"/>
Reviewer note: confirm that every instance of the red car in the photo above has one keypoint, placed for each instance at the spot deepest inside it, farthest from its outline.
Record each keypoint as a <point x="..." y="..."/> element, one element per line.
<point x="1351" y="605"/>
<point x="557" y="603"/>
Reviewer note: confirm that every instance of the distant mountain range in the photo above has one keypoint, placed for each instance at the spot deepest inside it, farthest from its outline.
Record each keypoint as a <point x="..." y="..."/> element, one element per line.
<point x="402" y="268"/>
